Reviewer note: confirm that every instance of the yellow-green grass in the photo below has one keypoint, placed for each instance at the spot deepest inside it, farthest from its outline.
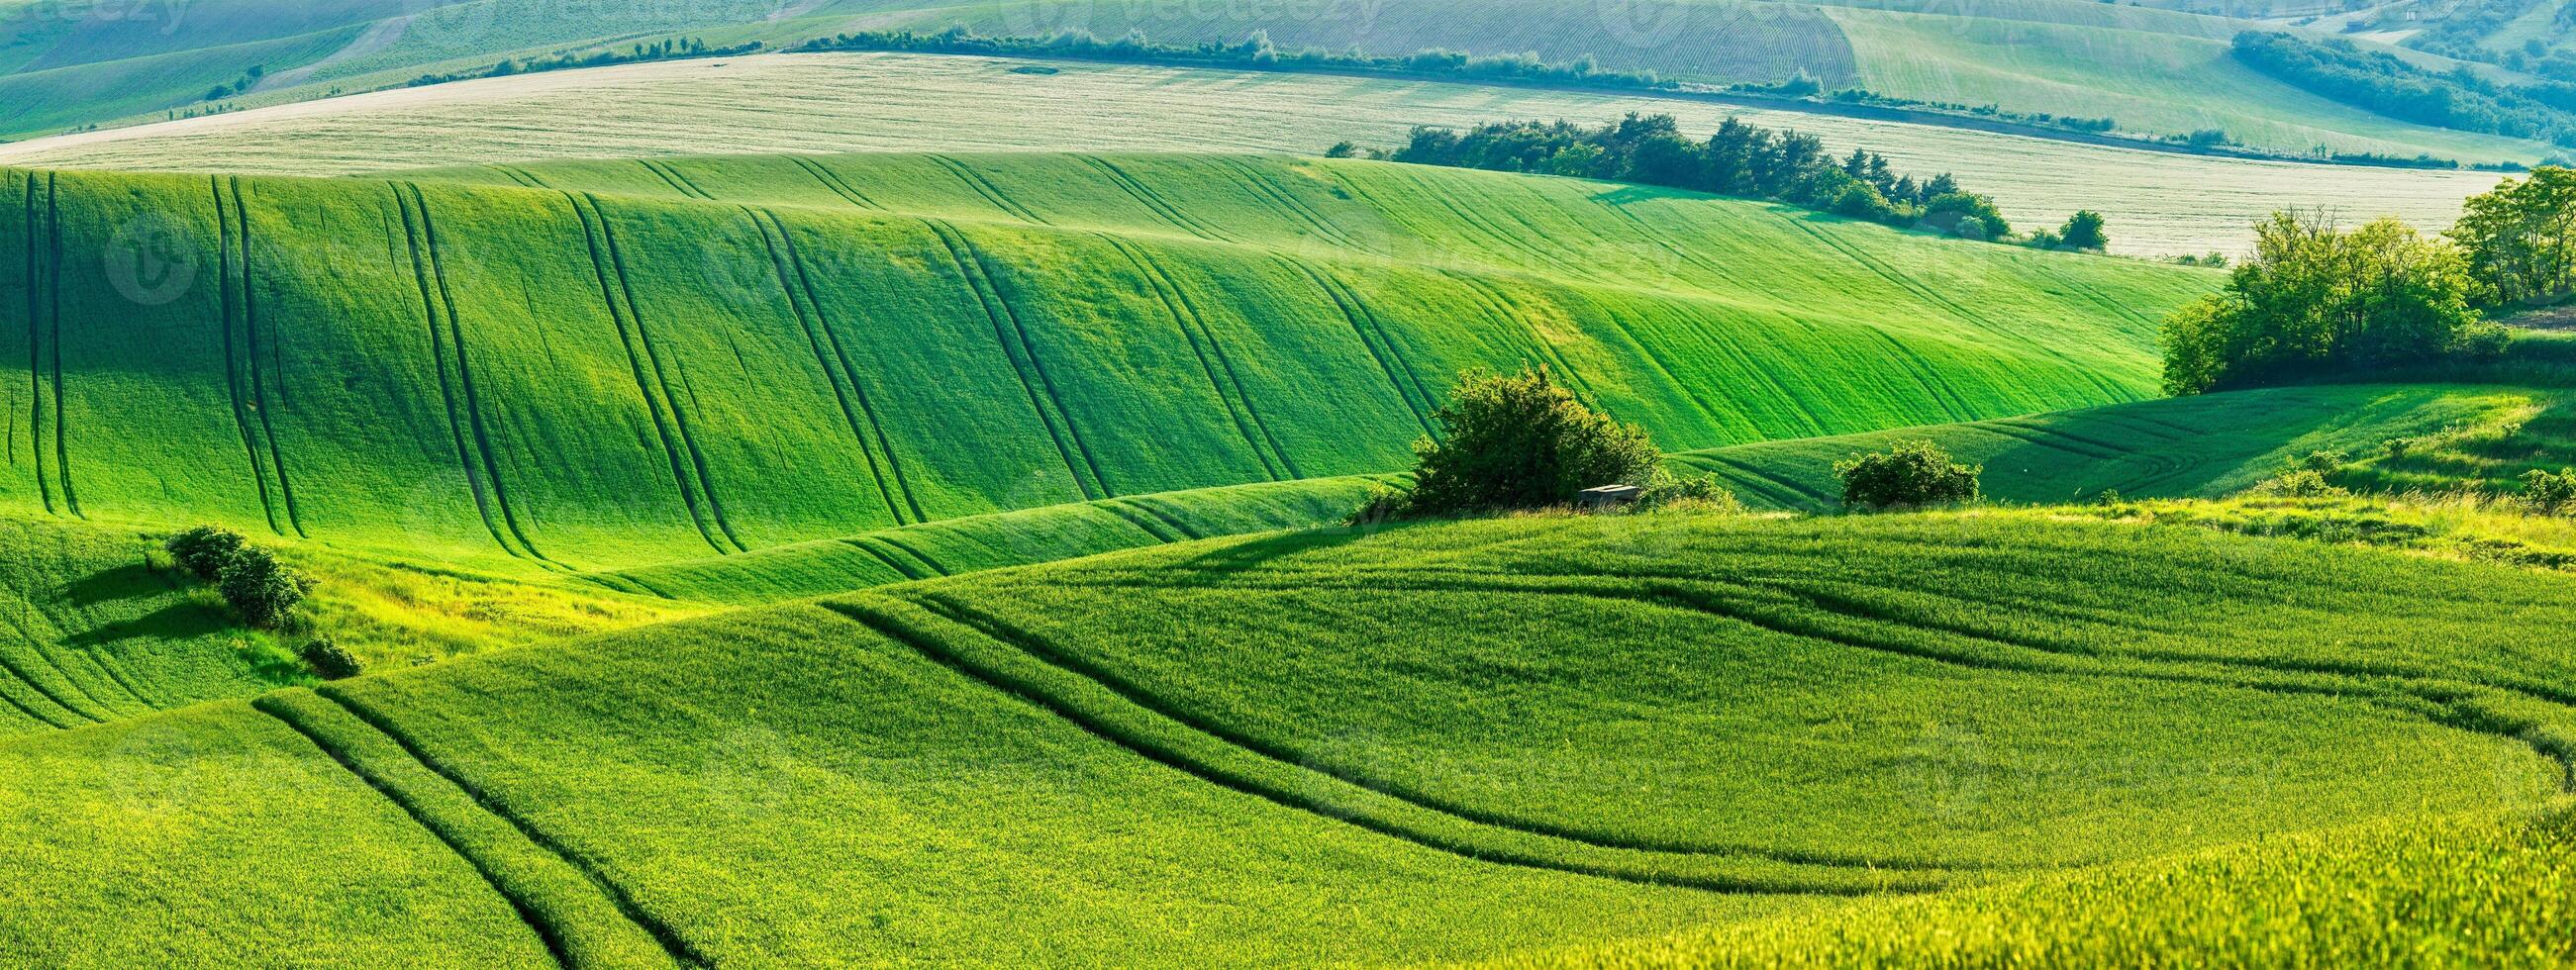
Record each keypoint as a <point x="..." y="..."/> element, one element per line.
<point x="2206" y="446"/>
<point x="2158" y="203"/>
<point x="2475" y="890"/>
<point x="1297" y="747"/>
<point x="807" y="348"/>
<point x="953" y="546"/>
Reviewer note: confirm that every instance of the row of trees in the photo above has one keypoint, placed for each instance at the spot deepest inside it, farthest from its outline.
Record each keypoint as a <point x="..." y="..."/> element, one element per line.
<point x="2383" y="83"/>
<point x="1738" y="159"/>
<point x="2316" y="298"/>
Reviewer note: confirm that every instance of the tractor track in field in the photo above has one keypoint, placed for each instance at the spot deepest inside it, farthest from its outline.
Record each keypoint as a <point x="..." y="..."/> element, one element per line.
<point x="672" y="177"/>
<point x="836" y="184"/>
<point x="1508" y="314"/>
<point x="1161" y="208"/>
<point x="1352" y="312"/>
<point x="463" y="400"/>
<point x="259" y="380"/>
<point x="869" y="545"/>
<point x="1152" y="525"/>
<point x="579" y="872"/>
<point x="1211" y="357"/>
<point x="1184" y="532"/>
<point x="2042" y="439"/>
<point x="1288" y="201"/>
<point x="991" y="193"/>
<point x="466" y="457"/>
<point x="2432" y="696"/>
<point x="1013" y="338"/>
<point x="1672" y="379"/>
<point x="1915" y="286"/>
<point x="686" y="471"/>
<point x="1795" y="400"/>
<point x="44" y="317"/>
<point x="662" y="376"/>
<point x="807" y="305"/>
<point x="936" y="567"/>
<point x="231" y="285"/>
<point x="1167" y="736"/>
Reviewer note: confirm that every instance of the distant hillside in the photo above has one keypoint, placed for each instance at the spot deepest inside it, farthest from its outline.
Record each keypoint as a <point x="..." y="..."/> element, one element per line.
<point x="621" y="362"/>
<point x="2156" y="72"/>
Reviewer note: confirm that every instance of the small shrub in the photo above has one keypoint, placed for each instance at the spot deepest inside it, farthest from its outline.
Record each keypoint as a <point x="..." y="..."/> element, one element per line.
<point x="203" y="550"/>
<point x="2323" y="461"/>
<point x="329" y="660"/>
<point x="1382" y="505"/>
<point x="2300" y="483"/>
<point x="1522" y="442"/>
<point x="2550" y="492"/>
<point x="260" y="588"/>
<point x="2397" y="447"/>
<point x="1669" y="492"/>
<point x="2110" y="497"/>
<point x="1912" y="473"/>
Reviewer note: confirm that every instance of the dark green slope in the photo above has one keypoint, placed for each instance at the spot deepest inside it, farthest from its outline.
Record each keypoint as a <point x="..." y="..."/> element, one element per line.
<point x="578" y="375"/>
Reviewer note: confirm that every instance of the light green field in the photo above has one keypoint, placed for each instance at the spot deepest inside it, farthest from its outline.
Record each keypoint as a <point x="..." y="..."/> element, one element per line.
<point x="1184" y="754"/>
<point x="587" y="376"/>
<point x="2197" y="447"/>
<point x="2158" y="203"/>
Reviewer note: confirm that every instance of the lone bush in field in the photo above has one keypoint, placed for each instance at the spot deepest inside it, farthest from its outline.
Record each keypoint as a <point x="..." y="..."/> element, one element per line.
<point x="2548" y="492"/>
<point x="329" y="659"/>
<point x="2300" y="483"/>
<point x="1912" y="473"/>
<point x="261" y="588"/>
<point x="203" y="550"/>
<point x="1520" y="442"/>
<point x="1699" y="494"/>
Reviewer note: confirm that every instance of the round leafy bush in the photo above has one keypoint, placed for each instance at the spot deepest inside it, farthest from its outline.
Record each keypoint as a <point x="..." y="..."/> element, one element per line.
<point x="1912" y="473"/>
<point x="203" y="550"/>
<point x="329" y="659"/>
<point x="261" y="588"/>
<point x="2550" y="492"/>
<point x="1520" y="442"/>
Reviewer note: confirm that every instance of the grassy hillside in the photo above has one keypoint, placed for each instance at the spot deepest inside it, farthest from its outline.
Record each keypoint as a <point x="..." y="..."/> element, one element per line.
<point x="576" y="373"/>
<point x="1896" y="701"/>
<point x="2471" y="890"/>
<point x="2164" y="72"/>
<point x="2206" y="446"/>
<point x="2158" y="204"/>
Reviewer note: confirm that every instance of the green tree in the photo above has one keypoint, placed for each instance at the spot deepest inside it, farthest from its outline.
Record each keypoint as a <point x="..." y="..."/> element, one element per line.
<point x="1965" y="214"/>
<point x="260" y="588"/>
<point x="2084" y="232"/>
<point x="203" y="550"/>
<point x="1913" y="473"/>
<point x="2521" y="238"/>
<point x="1521" y="441"/>
<point x="2315" y="298"/>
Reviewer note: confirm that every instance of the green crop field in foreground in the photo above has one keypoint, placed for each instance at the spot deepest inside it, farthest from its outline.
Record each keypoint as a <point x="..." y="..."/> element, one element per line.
<point x="613" y="364"/>
<point x="2158" y="204"/>
<point x="1663" y="722"/>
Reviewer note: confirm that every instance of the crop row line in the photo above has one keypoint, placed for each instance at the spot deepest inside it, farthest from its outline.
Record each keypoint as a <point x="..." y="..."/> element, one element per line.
<point x="807" y="305"/>
<point x="1013" y="337"/>
<point x="473" y="440"/>
<point x="1103" y="711"/>
<point x="1407" y="384"/>
<point x="618" y="295"/>
<point x="259" y="378"/>
<point x="585" y="918"/>
<point x="1863" y="627"/>
<point x="1203" y="345"/>
<point x="833" y="181"/>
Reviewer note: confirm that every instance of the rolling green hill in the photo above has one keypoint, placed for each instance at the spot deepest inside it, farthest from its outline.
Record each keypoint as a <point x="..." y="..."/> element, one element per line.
<point x="2158" y="72"/>
<point x="1183" y="754"/>
<point x="576" y="373"/>
<point x="2158" y="203"/>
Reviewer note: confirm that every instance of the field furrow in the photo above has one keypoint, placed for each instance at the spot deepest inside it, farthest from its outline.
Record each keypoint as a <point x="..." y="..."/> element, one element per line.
<point x="1228" y="387"/>
<point x="466" y="397"/>
<point x="835" y="183"/>
<point x="468" y="456"/>
<point x="984" y="188"/>
<point x="1381" y="349"/>
<point x="617" y="295"/>
<point x="957" y="641"/>
<point x="663" y="381"/>
<point x="807" y="307"/>
<point x="1155" y="203"/>
<point x="232" y="283"/>
<point x="1013" y="337"/>
<point x="262" y="402"/>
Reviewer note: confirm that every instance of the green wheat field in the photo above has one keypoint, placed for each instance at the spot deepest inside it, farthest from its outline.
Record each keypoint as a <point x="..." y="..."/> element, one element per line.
<point x="864" y="509"/>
